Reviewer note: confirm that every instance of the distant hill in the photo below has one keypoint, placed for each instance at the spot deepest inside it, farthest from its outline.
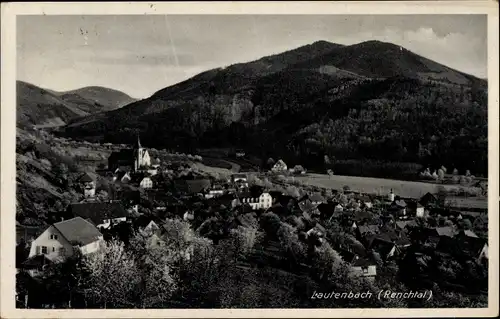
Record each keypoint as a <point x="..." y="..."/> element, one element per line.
<point x="370" y="101"/>
<point x="94" y="99"/>
<point x="41" y="107"/>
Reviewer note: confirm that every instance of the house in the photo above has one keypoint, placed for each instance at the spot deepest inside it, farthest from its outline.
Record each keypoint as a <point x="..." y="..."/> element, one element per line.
<point x="405" y="226"/>
<point x="192" y="186"/>
<point x="466" y="233"/>
<point x="429" y="200"/>
<point x="464" y="247"/>
<point x="366" y="230"/>
<point x="156" y="163"/>
<point x="398" y="209"/>
<point x="385" y="248"/>
<point x="240" y="153"/>
<point x="339" y="208"/>
<point x="317" y="230"/>
<point x="279" y="166"/>
<point x="121" y="176"/>
<point x="88" y="184"/>
<point x="135" y="159"/>
<point x="327" y="211"/>
<point x="316" y="198"/>
<point x="101" y="214"/>
<point x="62" y="239"/>
<point x="215" y="191"/>
<point x="239" y="177"/>
<point x="36" y="265"/>
<point x="263" y="201"/>
<point x="307" y="206"/>
<point x="361" y="266"/>
<point x="416" y="209"/>
<point x="145" y="182"/>
<point x="366" y="201"/>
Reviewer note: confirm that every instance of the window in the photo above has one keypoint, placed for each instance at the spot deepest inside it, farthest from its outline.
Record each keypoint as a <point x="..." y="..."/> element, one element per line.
<point x="44" y="250"/>
<point x="62" y="251"/>
<point x="53" y="237"/>
<point x="53" y="249"/>
<point x="365" y="270"/>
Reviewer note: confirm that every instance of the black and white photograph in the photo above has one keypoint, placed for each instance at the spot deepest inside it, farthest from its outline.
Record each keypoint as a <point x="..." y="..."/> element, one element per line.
<point x="251" y="161"/>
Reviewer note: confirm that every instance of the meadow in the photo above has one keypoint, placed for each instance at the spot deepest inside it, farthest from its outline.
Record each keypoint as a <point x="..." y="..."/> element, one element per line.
<point x="380" y="186"/>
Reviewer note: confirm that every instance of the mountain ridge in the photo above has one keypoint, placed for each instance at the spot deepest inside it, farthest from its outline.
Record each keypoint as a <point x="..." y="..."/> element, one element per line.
<point x="282" y="94"/>
<point x="45" y="107"/>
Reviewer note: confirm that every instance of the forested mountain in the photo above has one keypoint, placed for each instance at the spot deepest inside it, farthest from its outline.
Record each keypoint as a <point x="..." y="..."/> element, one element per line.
<point x="37" y="106"/>
<point x="372" y="102"/>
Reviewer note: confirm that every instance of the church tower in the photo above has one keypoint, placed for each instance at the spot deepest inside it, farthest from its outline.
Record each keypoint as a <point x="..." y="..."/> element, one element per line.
<point x="141" y="155"/>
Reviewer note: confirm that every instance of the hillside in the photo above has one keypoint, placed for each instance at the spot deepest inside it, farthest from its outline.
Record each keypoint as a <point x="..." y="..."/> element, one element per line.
<point x="41" y="107"/>
<point x="93" y="99"/>
<point x="372" y="101"/>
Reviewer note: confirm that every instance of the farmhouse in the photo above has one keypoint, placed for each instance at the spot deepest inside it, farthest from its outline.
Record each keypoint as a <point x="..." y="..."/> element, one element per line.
<point x="88" y="185"/>
<point x="279" y="166"/>
<point x="101" y="214"/>
<point x="428" y="200"/>
<point x="263" y="201"/>
<point x="62" y="239"/>
<point x="362" y="266"/>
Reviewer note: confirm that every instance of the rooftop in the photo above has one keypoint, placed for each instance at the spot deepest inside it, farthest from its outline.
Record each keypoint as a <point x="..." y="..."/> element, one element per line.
<point x="78" y="231"/>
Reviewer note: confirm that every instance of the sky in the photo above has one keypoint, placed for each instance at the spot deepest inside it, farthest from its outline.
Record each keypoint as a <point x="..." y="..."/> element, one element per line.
<point x="141" y="54"/>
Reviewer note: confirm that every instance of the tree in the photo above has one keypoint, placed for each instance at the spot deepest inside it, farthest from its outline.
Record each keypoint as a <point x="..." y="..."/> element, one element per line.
<point x="326" y="160"/>
<point x="270" y="223"/>
<point x="114" y="280"/>
<point x="293" y="191"/>
<point x="270" y="162"/>
<point x="441" y="174"/>
<point x="346" y="188"/>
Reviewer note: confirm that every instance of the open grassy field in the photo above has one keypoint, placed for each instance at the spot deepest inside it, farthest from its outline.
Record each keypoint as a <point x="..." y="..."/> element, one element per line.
<point x="372" y="185"/>
<point x="467" y="202"/>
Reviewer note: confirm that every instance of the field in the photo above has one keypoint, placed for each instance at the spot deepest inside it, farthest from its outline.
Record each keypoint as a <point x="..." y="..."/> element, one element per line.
<point x="468" y="202"/>
<point x="370" y="185"/>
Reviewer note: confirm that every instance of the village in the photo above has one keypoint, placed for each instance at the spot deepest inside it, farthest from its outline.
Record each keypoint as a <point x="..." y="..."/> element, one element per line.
<point x="372" y="233"/>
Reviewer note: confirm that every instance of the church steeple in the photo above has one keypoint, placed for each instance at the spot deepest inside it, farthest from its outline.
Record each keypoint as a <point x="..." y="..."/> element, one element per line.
<point x="138" y="144"/>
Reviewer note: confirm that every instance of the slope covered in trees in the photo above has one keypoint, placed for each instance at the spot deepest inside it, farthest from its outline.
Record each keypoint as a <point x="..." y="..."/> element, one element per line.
<point x="367" y="102"/>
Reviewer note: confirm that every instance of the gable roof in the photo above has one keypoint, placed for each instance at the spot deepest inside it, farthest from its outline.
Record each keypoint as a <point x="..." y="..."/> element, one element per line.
<point x="86" y="178"/>
<point x="192" y="186"/>
<point x="468" y="233"/>
<point x="402" y="224"/>
<point x="459" y="247"/>
<point x="427" y="199"/>
<point x="77" y="231"/>
<point x="372" y="229"/>
<point x="279" y="163"/>
<point x="400" y="203"/>
<point x="445" y="231"/>
<point x="383" y="247"/>
<point x="98" y="211"/>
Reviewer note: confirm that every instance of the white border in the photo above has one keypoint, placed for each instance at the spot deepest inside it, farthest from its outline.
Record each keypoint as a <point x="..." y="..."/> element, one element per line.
<point x="8" y="174"/>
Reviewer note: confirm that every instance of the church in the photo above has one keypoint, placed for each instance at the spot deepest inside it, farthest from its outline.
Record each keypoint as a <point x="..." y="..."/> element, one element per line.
<point x="135" y="159"/>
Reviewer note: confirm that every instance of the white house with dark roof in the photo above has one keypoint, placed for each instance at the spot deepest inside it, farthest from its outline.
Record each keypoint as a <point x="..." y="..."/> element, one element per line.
<point x="61" y="240"/>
